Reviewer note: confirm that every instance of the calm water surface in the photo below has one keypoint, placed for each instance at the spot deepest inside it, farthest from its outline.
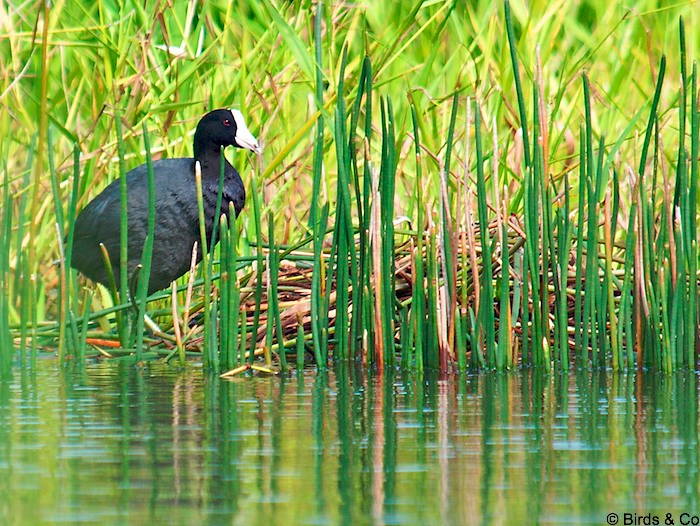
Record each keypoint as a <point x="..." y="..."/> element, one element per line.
<point x="120" y="445"/>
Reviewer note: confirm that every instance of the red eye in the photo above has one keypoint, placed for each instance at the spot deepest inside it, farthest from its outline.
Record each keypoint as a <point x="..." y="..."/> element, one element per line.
<point x="227" y="122"/>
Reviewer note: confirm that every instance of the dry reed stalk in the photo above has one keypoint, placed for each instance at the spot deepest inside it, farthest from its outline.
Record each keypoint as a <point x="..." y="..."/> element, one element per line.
<point x="376" y="241"/>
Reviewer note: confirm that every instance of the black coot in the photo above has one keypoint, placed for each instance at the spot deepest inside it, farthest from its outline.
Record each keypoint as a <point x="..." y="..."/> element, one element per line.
<point x="177" y="220"/>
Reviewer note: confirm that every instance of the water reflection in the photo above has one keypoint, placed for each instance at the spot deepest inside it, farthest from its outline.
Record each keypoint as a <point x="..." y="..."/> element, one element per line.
<point x="116" y="444"/>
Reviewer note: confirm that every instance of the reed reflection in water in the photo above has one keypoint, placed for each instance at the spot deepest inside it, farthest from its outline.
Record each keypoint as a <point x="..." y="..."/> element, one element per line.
<point x="117" y="444"/>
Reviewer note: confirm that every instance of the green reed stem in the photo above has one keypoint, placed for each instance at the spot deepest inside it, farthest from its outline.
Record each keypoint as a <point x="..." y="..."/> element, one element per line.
<point x="5" y="244"/>
<point x="208" y="353"/>
<point x="418" y="293"/>
<point x="60" y="225"/>
<point x="358" y="277"/>
<point x="316" y="214"/>
<point x="518" y="86"/>
<point x="259" y="268"/>
<point x="225" y="359"/>
<point x="145" y="270"/>
<point x="123" y="320"/>
<point x="693" y="314"/>
<point x="486" y="317"/>
<point x="273" y="315"/>
<point x="343" y="237"/>
<point x="300" y="347"/>
<point x="236" y="345"/>
<point x="71" y="298"/>
<point x="387" y="175"/>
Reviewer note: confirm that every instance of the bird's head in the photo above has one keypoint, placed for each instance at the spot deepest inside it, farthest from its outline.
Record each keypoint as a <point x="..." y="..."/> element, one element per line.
<point x="226" y="127"/>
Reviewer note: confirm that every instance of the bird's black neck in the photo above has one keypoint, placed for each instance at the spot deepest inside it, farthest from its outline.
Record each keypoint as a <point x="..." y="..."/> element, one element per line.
<point x="209" y="155"/>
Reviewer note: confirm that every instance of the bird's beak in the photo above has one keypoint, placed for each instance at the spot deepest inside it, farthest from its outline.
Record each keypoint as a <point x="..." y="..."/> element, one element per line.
<point x="244" y="138"/>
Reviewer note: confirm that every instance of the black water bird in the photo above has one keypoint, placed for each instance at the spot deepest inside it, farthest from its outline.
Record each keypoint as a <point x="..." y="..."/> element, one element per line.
<point x="176" y="218"/>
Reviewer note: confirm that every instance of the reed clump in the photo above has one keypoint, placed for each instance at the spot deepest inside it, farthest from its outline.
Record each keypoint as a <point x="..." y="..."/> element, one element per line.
<point x="510" y="222"/>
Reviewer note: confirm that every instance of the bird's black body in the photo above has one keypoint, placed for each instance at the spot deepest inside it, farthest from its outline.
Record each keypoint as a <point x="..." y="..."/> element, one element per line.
<point x="176" y="219"/>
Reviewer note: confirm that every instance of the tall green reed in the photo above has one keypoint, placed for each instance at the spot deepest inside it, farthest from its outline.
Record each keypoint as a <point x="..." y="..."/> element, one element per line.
<point x="591" y="262"/>
<point x="143" y="272"/>
<point x="318" y="213"/>
<point x="6" y="343"/>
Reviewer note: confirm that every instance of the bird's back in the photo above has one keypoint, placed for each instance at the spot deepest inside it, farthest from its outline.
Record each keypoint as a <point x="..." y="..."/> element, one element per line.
<point x="177" y="223"/>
